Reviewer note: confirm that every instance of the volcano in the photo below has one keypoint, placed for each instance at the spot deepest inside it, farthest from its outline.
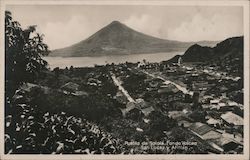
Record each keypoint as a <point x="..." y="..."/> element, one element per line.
<point x="118" y="39"/>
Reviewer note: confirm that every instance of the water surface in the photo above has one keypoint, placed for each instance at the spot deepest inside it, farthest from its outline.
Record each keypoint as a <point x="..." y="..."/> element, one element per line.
<point x="63" y="62"/>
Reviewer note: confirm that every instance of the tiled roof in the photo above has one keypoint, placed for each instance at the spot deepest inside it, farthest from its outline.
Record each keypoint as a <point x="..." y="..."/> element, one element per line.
<point x="232" y="118"/>
<point x="148" y="110"/>
<point x="70" y="85"/>
<point x="200" y="128"/>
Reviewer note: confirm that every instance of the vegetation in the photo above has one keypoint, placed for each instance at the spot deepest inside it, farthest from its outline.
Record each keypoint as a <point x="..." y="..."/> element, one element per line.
<point x="23" y="54"/>
<point x="34" y="129"/>
<point x="160" y="123"/>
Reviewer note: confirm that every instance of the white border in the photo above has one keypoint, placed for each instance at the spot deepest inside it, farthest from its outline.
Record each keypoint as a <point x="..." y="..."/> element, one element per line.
<point x="245" y="4"/>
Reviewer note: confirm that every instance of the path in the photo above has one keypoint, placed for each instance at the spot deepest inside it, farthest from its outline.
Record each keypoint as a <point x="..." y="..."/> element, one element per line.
<point x="120" y="87"/>
<point x="183" y="89"/>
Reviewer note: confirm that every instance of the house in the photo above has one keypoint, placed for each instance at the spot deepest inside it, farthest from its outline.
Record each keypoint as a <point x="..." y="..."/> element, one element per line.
<point x="214" y="114"/>
<point x="140" y="103"/>
<point x="70" y="87"/>
<point x="223" y="89"/>
<point x="139" y="129"/>
<point x="93" y="80"/>
<point x="166" y="91"/>
<point x="206" y="106"/>
<point x="80" y="93"/>
<point x="179" y="116"/>
<point x="231" y="103"/>
<point x="146" y="120"/>
<point x="170" y="93"/>
<point x="175" y="114"/>
<point x="221" y="104"/>
<point x="141" y="64"/>
<point x="182" y="105"/>
<point x="120" y="97"/>
<point x="204" y="131"/>
<point x="184" y="123"/>
<point x="134" y="114"/>
<point x="215" y="101"/>
<point x="227" y="108"/>
<point x="201" y="85"/>
<point x="147" y="111"/>
<point x="129" y="106"/>
<point x="231" y="118"/>
<point x="29" y="86"/>
<point x="206" y="99"/>
<point x="213" y="122"/>
<point x="227" y="144"/>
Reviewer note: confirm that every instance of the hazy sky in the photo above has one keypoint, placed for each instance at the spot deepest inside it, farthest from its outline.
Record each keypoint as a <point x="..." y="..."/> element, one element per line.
<point x="64" y="25"/>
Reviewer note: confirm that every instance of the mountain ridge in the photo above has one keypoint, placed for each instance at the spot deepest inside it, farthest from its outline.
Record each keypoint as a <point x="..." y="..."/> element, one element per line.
<point x="229" y="49"/>
<point x="231" y="46"/>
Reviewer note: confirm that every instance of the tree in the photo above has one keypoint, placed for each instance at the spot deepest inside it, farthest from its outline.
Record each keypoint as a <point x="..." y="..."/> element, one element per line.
<point x="159" y="123"/>
<point x="23" y="54"/>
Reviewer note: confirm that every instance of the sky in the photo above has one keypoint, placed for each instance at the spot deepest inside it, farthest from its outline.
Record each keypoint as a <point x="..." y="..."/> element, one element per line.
<point x="64" y="25"/>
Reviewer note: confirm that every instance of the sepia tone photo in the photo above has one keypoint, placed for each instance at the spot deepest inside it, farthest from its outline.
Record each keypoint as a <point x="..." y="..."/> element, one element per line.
<point x="123" y="79"/>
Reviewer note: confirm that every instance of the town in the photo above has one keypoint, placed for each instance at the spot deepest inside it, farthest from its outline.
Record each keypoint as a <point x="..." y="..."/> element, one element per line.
<point x="206" y="102"/>
<point x="143" y="102"/>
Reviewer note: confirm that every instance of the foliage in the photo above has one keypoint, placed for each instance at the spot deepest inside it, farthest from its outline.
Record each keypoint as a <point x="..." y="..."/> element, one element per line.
<point x="181" y="134"/>
<point x="33" y="130"/>
<point x="135" y="84"/>
<point x="23" y="53"/>
<point x="198" y="116"/>
<point x="160" y="123"/>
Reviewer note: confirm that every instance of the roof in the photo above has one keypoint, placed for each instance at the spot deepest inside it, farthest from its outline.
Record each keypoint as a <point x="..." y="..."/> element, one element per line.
<point x="184" y="123"/>
<point x="175" y="114"/>
<point x="179" y="115"/>
<point x="206" y="106"/>
<point x="213" y="121"/>
<point x="200" y="128"/>
<point x="71" y="86"/>
<point x="223" y="141"/>
<point x="139" y="129"/>
<point x="170" y="88"/>
<point x="140" y="103"/>
<point x="94" y="80"/>
<point x="222" y="104"/>
<point x="214" y="101"/>
<point x="80" y="93"/>
<point x="183" y="105"/>
<point x="153" y="84"/>
<point x="231" y="103"/>
<point x="212" y="134"/>
<point x="147" y="111"/>
<point x="167" y="90"/>
<point x="28" y="86"/>
<point x="153" y="79"/>
<point x="232" y="118"/>
<point x="129" y="106"/>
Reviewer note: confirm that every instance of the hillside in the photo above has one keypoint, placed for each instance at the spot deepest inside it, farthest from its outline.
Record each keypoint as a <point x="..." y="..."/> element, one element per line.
<point x="230" y="47"/>
<point x="226" y="55"/>
<point x="117" y="38"/>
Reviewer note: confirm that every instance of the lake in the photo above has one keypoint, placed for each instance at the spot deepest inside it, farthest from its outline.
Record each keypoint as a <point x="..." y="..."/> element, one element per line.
<point x="63" y="62"/>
